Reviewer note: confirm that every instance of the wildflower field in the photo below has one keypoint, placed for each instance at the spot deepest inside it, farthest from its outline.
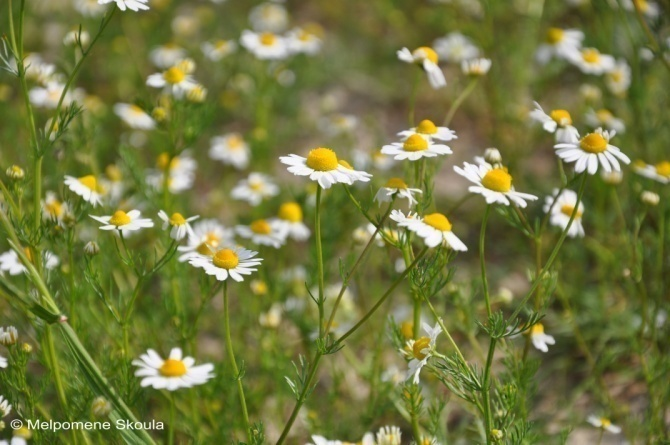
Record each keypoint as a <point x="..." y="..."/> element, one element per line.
<point x="334" y="222"/>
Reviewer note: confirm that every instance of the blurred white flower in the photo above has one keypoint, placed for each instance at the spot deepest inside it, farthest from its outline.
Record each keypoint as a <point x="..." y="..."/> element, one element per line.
<point x="561" y="208"/>
<point x="133" y="5"/>
<point x="560" y="43"/>
<point x="455" y="48"/>
<point x="427" y="59"/>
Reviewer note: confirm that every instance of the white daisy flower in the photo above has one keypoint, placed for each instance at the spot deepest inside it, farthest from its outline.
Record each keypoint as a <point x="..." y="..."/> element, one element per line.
<point x="11" y="263"/>
<point x="180" y="225"/>
<point x="3" y="362"/>
<point x="133" y="5"/>
<point x="558" y="122"/>
<point x="176" y="81"/>
<point x="650" y="9"/>
<point x="218" y="49"/>
<point x="398" y="187"/>
<point x="134" y="116"/>
<point x="426" y="58"/>
<point x="356" y="175"/>
<point x="611" y="178"/>
<point x="269" y="17"/>
<point x="124" y="222"/>
<point x="171" y="374"/>
<point x="207" y="237"/>
<point x="604" y="423"/>
<point x="266" y="45"/>
<point x="414" y="148"/>
<point x="181" y="172"/>
<point x="420" y="351"/>
<point x="8" y="336"/>
<point x="300" y="40"/>
<point x="49" y="96"/>
<point x="89" y="8"/>
<point x="430" y="131"/>
<point x="476" y="67"/>
<point x="561" y="211"/>
<point x="87" y="187"/>
<point x="493" y="183"/>
<point x="289" y="222"/>
<point x="225" y="263"/>
<point x="434" y="228"/>
<point x="5" y="407"/>
<point x="591" y="150"/>
<point x="255" y="188"/>
<point x="591" y="61"/>
<point x="455" y="47"/>
<point x="53" y="209"/>
<point x="604" y="118"/>
<point x="166" y="56"/>
<point x="272" y="318"/>
<point x="560" y="43"/>
<point x="659" y="172"/>
<point x="618" y="79"/>
<point x="231" y="149"/>
<point x="540" y="340"/>
<point x="322" y="166"/>
<point x="263" y="233"/>
<point x="389" y="435"/>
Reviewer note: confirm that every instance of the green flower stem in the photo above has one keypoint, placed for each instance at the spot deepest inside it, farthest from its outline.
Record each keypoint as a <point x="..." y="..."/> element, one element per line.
<point x="231" y="357"/>
<point x="444" y="329"/>
<point x="482" y="261"/>
<point x="319" y="257"/>
<point x="54" y="365"/>
<point x="459" y="101"/>
<point x="172" y="419"/>
<point x="412" y="98"/>
<point x="486" y="391"/>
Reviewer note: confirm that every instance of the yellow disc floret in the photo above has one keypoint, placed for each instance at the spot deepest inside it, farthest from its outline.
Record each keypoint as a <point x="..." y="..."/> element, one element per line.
<point x="345" y="164"/>
<point x="498" y="180"/>
<point x="322" y="159"/>
<point x="426" y="53"/>
<point x="261" y="227"/>
<point x="561" y="117"/>
<point x="53" y="208"/>
<point x="119" y="218"/>
<point x="438" y="221"/>
<point x="537" y="328"/>
<point x="211" y="240"/>
<point x="593" y="143"/>
<point x="163" y="160"/>
<point x="267" y="39"/>
<point x="415" y="143"/>
<point x="177" y="219"/>
<point x="591" y="55"/>
<point x="89" y="182"/>
<point x="663" y="168"/>
<point x="174" y="75"/>
<point x="567" y="210"/>
<point x="290" y="211"/>
<point x="554" y="35"/>
<point x="426" y="127"/>
<point x="226" y="259"/>
<point x="396" y="183"/>
<point x="419" y="345"/>
<point x="172" y="368"/>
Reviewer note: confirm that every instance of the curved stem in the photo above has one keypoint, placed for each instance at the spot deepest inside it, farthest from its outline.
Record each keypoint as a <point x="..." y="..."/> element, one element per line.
<point x="459" y="101"/>
<point x="319" y="257"/>
<point x="482" y="262"/>
<point x="486" y="392"/>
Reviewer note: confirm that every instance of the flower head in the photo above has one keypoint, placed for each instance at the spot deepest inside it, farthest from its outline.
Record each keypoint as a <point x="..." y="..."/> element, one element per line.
<point x="133" y="5"/>
<point x="323" y="166"/>
<point x="493" y="183"/>
<point x="414" y="148"/>
<point x="389" y="435"/>
<point x="476" y="67"/>
<point x="87" y="187"/>
<point x="265" y="45"/>
<point x="207" y="237"/>
<point x="8" y="336"/>
<point x="539" y="338"/>
<point x="173" y="373"/>
<point x="659" y="172"/>
<point x="455" y="48"/>
<point x="176" y="80"/>
<point x="604" y="423"/>
<point x="289" y="222"/>
<point x="123" y="222"/>
<point x="255" y="188"/>
<point x="434" y="228"/>
<point x="231" y="149"/>
<point x="11" y="263"/>
<point x="592" y="150"/>
<point x="561" y="207"/>
<point x="427" y="59"/>
<point x="604" y="118"/>
<point x="420" y="350"/>
<point x="560" y="43"/>
<point x="263" y="233"/>
<point x="134" y="116"/>
<point x="557" y="121"/>
<point x="228" y="262"/>
<point x="430" y="131"/>
<point x="591" y="61"/>
<point x="167" y="55"/>
<point x="5" y="407"/>
<point x="396" y="187"/>
<point x="180" y="225"/>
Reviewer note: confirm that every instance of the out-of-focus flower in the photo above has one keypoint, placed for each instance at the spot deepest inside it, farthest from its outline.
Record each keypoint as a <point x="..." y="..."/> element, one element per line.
<point x="263" y="233"/>
<point x="134" y="116"/>
<point x="124" y="222"/>
<point x="218" y="49"/>
<point x="176" y="81"/>
<point x="558" y="122"/>
<point x="427" y="59"/>
<point x="604" y="118"/>
<point x="74" y="37"/>
<point x="11" y="263"/>
<point x="231" y="149"/>
<point x="560" y="43"/>
<point x="659" y="172"/>
<point x="167" y="55"/>
<point x="302" y="41"/>
<point x="269" y="17"/>
<point x="396" y="187"/>
<point x="208" y="236"/>
<point x="650" y="198"/>
<point x="133" y="5"/>
<point x="265" y="45"/>
<point x="618" y="79"/>
<point x="455" y="48"/>
<point x="561" y="208"/>
<point x="604" y="423"/>
<point x="476" y="67"/>
<point x="87" y="187"/>
<point x="289" y="221"/>
<point x="592" y="61"/>
<point x="255" y="188"/>
<point x="181" y="172"/>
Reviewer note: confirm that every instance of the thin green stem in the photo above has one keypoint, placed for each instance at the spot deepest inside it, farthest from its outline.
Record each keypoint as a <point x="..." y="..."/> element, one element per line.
<point x="319" y="258"/>
<point x="486" y="391"/>
<point x="482" y="261"/>
<point x="444" y="329"/>
<point x="171" y="425"/>
<point x="459" y="101"/>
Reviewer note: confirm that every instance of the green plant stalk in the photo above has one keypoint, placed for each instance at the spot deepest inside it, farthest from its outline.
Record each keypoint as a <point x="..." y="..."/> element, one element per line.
<point x="486" y="391"/>
<point x="416" y="429"/>
<point x="459" y="100"/>
<point x="482" y="260"/>
<point x="412" y="98"/>
<point x="445" y="330"/>
<point x="172" y="420"/>
<point x="233" y="362"/>
<point x="319" y="258"/>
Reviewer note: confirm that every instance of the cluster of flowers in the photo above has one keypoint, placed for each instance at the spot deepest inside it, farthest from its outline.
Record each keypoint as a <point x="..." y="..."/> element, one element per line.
<point x="387" y="435"/>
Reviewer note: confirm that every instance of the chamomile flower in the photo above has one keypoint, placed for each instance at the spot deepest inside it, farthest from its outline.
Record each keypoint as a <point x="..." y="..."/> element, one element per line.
<point x="11" y="263"/>
<point x="87" y="187"/>
<point x="3" y="362"/>
<point x="272" y="318"/>
<point x="420" y="351"/>
<point x="659" y="172"/>
<point x="8" y="336"/>
<point x="49" y="96"/>
<point x="123" y="222"/>
<point x="356" y="175"/>
<point x="560" y="207"/>
<point x="647" y="8"/>
<point x="493" y="183"/>
<point x="5" y="407"/>
<point x="233" y="263"/>
<point x="269" y="17"/>
<point x="389" y="435"/>
<point x="173" y="373"/>
<point x="265" y="45"/>
<point x="322" y="166"/>
<point x="557" y="121"/>
<point x="231" y="149"/>
<point x="590" y="151"/>
<point x="255" y="189"/>
<point x="604" y="118"/>
<point x="289" y="222"/>
<point x="540" y="340"/>
<point x="618" y="79"/>
<point x="476" y="67"/>
<point x="89" y="8"/>
<point x="167" y="55"/>
<point x="133" y="5"/>
<point x="430" y="131"/>
<point x="560" y="43"/>
<point x="434" y="228"/>
<point x="604" y="423"/>
<point x="301" y="41"/>
<point x="427" y="58"/>
<point x="263" y="233"/>
<point x="134" y="116"/>
<point x="455" y="48"/>
<point x="176" y="80"/>
<point x="53" y="209"/>
<point x="591" y="61"/>
<point x="207" y="237"/>
<point x="218" y="49"/>
<point x="180" y="225"/>
<point x="396" y="187"/>
<point x="181" y="172"/>
<point x="414" y="148"/>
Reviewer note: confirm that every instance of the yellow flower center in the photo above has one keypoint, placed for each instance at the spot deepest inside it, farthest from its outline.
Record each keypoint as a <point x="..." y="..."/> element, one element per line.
<point x="407" y="329"/>
<point x="177" y="219"/>
<point x="290" y="211"/>
<point x="163" y="160"/>
<point x="591" y="55"/>
<point x="226" y="259"/>
<point x="174" y="75"/>
<point x="261" y="227"/>
<point x="426" y="127"/>
<point x="345" y="164"/>
<point x="322" y="159"/>
<point x="267" y="39"/>
<point x="415" y="143"/>
<point x="438" y="221"/>
<point x="419" y="345"/>
<point x="427" y="53"/>
<point x="119" y="218"/>
<point x="221" y="44"/>
<point x="561" y="117"/>
<point x="605" y="422"/>
<point x="396" y="183"/>
<point x="663" y="168"/>
<point x="567" y="210"/>
<point x="497" y="180"/>
<point x="205" y="248"/>
<point x="642" y="4"/>
<point x="136" y="110"/>
<point x="537" y="328"/>
<point x="554" y="35"/>
<point x="603" y="115"/>
<point x="593" y="143"/>
<point x="256" y="185"/>
<point x="235" y="142"/>
<point x="172" y="368"/>
<point x="54" y="208"/>
<point x="89" y="182"/>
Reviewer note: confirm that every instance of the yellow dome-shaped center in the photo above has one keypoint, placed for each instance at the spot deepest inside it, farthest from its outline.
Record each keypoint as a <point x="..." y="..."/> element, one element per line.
<point x="497" y="180"/>
<point x="172" y="368"/>
<point x="211" y="241"/>
<point x="438" y="221"/>
<point x="174" y="75"/>
<point x="119" y="218"/>
<point x="604" y="115"/>
<point x="267" y="39"/>
<point x="426" y="52"/>
<point x="226" y="259"/>
<point x="163" y="160"/>
<point x="322" y="159"/>
<point x="261" y="227"/>
<point x="567" y="210"/>
<point x="554" y="35"/>
<point x="593" y="143"/>
<point x="561" y="117"/>
<point x="419" y="345"/>
<point x="426" y="127"/>
<point x="89" y="182"/>
<point x="663" y="168"/>
<point x="415" y="143"/>
<point x="396" y="183"/>
<point x="537" y="328"/>
<point x="591" y="55"/>
<point x="54" y="208"/>
<point x="290" y="211"/>
<point x="345" y="164"/>
<point x="177" y="219"/>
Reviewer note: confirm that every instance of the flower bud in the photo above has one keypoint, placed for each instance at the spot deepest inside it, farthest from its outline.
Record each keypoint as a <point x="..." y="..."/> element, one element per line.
<point x="91" y="248"/>
<point x="650" y="198"/>
<point x="16" y="173"/>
